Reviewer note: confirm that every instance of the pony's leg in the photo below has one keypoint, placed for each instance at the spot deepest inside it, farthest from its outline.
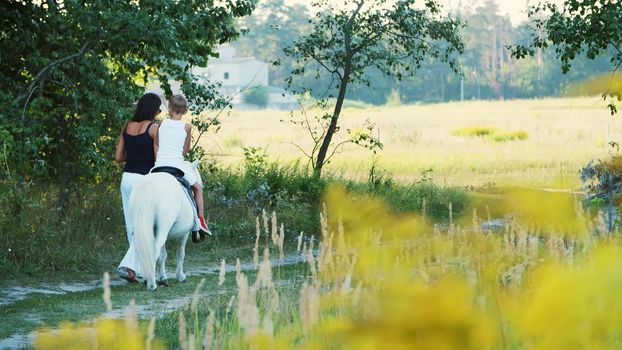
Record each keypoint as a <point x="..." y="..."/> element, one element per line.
<point x="181" y="254"/>
<point x="161" y="278"/>
<point x="160" y="239"/>
<point x="150" y="275"/>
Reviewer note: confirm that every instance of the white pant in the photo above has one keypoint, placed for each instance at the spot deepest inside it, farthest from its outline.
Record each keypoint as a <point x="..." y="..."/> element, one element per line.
<point x="130" y="260"/>
<point x="127" y="183"/>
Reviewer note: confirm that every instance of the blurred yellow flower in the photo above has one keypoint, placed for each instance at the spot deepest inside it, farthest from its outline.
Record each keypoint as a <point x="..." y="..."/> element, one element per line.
<point x="547" y="211"/>
<point x="104" y="333"/>
<point x="575" y="307"/>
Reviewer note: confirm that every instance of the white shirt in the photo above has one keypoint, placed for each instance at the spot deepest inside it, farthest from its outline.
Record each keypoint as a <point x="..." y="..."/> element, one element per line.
<point x="171" y="139"/>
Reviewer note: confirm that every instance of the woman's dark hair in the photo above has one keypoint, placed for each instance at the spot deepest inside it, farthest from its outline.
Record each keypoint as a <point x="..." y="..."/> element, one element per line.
<point x="148" y="107"/>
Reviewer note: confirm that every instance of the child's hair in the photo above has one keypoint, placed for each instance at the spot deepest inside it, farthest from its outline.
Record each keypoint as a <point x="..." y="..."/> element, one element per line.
<point x="178" y="104"/>
<point x="147" y="108"/>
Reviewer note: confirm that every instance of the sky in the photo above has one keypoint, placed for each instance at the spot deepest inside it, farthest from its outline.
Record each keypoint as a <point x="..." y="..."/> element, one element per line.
<point x="516" y="9"/>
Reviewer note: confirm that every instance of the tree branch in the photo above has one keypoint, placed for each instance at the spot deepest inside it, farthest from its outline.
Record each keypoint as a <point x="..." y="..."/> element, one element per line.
<point x="223" y="108"/>
<point x="321" y="63"/>
<point x="300" y="148"/>
<point x="336" y="150"/>
<point x="41" y="76"/>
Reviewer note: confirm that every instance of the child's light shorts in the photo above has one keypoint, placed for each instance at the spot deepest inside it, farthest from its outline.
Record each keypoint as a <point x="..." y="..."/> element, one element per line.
<point x="189" y="176"/>
<point x="184" y="166"/>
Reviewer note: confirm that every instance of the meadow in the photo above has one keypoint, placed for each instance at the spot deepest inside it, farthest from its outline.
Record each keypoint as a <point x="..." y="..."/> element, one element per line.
<point x="483" y="255"/>
<point x="563" y="134"/>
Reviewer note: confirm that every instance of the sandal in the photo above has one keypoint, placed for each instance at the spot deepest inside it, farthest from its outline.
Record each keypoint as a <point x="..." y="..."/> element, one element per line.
<point x="128" y="274"/>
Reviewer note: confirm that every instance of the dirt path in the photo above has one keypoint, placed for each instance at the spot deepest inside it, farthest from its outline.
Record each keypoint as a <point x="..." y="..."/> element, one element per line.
<point x="27" y="308"/>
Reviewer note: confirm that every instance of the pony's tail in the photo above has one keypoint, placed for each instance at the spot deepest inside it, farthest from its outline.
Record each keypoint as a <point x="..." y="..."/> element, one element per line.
<point x="142" y="206"/>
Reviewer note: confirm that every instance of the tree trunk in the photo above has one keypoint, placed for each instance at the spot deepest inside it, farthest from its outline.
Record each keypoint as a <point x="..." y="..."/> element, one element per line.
<point x="64" y="180"/>
<point x="321" y="155"/>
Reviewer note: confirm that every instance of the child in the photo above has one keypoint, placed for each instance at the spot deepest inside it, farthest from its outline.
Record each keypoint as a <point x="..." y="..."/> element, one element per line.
<point x="171" y="144"/>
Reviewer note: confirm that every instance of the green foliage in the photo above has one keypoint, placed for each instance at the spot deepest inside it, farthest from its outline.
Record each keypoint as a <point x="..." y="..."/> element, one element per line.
<point x="602" y="183"/>
<point x="318" y="126"/>
<point x="71" y="72"/>
<point x="235" y="197"/>
<point x="256" y="95"/>
<point x="255" y="162"/>
<point x="592" y="27"/>
<point x="348" y="41"/>
<point x="364" y="136"/>
<point x="488" y="72"/>
<point x="395" y="39"/>
<point x="39" y="238"/>
<point x="204" y="97"/>
<point x="92" y="236"/>
<point x="410" y="197"/>
<point x="274" y="25"/>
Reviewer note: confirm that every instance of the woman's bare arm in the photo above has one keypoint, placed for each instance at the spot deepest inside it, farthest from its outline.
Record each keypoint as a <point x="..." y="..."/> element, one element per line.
<point x="156" y="142"/>
<point x="119" y="153"/>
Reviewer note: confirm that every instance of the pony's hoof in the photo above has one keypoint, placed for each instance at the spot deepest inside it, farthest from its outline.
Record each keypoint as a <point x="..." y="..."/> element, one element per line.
<point x="163" y="282"/>
<point x="152" y="285"/>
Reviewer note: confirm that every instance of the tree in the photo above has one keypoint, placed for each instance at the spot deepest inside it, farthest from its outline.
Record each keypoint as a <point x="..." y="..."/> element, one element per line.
<point x="71" y="70"/>
<point x="393" y="37"/>
<point x="256" y="95"/>
<point x="275" y="24"/>
<point x="592" y="27"/>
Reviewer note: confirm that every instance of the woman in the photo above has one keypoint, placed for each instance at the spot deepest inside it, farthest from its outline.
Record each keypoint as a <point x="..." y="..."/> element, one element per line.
<point x="135" y="148"/>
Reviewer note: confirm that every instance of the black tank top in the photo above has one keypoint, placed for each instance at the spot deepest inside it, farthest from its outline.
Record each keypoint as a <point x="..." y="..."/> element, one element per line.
<point x="139" y="156"/>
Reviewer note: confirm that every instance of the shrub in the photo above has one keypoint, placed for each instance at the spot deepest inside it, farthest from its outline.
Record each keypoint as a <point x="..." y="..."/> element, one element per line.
<point x="602" y="183"/>
<point x="257" y="95"/>
<point x="474" y="131"/>
<point x="91" y="235"/>
<point x="491" y="134"/>
<point x="509" y="136"/>
<point x="39" y="238"/>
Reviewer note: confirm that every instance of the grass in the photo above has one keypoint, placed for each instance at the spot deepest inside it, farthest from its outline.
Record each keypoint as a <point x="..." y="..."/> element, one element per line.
<point x="90" y="236"/>
<point x="385" y="279"/>
<point x="42" y="310"/>
<point x="42" y="239"/>
<point x="564" y="133"/>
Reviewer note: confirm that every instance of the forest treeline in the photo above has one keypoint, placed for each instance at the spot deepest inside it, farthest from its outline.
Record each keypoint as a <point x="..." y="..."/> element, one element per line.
<point x="488" y="70"/>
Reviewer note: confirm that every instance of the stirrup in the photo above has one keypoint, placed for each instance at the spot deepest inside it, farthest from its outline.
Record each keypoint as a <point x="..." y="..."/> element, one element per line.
<point x="198" y="236"/>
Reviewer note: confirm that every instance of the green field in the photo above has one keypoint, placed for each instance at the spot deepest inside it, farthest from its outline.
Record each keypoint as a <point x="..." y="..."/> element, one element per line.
<point x="563" y="134"/>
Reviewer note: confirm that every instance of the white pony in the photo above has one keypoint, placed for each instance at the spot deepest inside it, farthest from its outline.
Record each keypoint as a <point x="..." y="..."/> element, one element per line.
<point x="160" y="210"/>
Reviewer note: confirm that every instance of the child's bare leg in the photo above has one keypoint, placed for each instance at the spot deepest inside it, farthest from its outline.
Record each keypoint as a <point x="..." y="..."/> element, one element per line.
<point x="198" y="197"/>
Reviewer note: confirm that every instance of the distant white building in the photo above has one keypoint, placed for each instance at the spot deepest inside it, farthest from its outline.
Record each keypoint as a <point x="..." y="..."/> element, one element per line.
<point x="237" y="74"/>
